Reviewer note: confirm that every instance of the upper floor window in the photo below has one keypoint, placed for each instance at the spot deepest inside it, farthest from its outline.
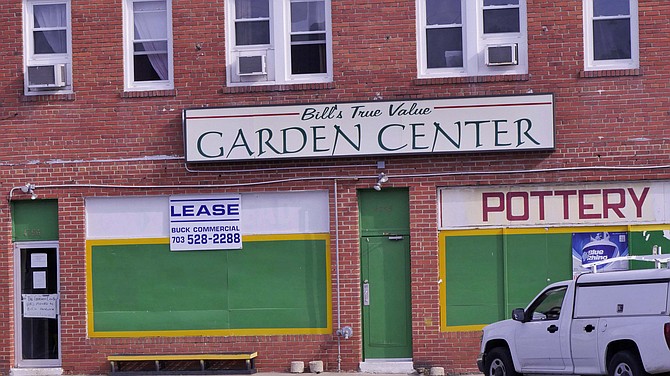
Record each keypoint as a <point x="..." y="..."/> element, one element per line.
<point x="276" y="42"/>
<point x="148" y="45"/>
<point x="611" y="34"/>
<point x="471" y="37"/>
<point x="47" y="46"/>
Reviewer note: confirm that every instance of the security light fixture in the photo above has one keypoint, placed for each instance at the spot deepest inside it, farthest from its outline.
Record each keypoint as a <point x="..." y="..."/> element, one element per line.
<point x="30" y="189"/>
<point x="382" y="178"/>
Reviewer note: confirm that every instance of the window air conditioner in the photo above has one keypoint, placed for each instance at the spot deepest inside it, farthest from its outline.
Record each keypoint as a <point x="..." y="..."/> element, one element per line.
<point x="251" y="65"/>
<point x="502" y="54"/>
<point x="46" y="76"/>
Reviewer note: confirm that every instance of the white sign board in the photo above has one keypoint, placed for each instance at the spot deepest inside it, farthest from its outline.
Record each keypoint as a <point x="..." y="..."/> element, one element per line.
<point x="475" y="124"/>
<point x="618" y="203"/>
<point x="40" y="305"/>
<point x="205" y="222"/>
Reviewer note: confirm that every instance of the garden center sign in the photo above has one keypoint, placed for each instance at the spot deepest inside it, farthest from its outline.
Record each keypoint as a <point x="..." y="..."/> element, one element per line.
<point x="504" y="123"/>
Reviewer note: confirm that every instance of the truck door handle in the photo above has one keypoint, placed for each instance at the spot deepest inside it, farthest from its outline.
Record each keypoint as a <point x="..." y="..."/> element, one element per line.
<point x="552" y="328"/>
<point x="589" y="328"/>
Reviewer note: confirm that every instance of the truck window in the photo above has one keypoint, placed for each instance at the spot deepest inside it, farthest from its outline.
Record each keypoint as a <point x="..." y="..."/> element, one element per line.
<point x="548" y="305"/>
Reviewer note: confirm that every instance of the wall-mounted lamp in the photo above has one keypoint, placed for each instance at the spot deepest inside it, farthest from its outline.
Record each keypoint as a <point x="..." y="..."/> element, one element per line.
<point x="30" y="189"/>
<point x="382" y="178"/>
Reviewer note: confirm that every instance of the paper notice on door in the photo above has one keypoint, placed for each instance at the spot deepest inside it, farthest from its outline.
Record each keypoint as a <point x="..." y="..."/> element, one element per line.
<point x="40" y="305"/>
<point x="39" y="280"/>
<point x="38" y="260"/>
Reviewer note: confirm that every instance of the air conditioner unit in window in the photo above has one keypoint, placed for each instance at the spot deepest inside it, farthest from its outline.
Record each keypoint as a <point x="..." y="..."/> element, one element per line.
<point x="502" y="54"/>
<point x="46" y="76"/>
<point x="251" y="65"/>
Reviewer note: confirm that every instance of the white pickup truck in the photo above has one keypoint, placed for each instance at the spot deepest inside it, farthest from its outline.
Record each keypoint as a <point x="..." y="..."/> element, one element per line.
<point x="615" y="323"/>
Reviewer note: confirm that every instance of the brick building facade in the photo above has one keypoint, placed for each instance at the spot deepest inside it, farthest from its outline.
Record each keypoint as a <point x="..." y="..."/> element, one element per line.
<point x="114" y="111"/>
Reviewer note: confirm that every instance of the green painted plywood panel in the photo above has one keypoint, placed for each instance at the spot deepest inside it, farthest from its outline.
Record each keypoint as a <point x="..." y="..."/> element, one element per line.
<point x="489" y="275"/>
<point x="646" y="243"/>
<point x="474" y="274"/>
<point x="34" y="220"/>
<point x="534" y="261"/>
<point x="268" y="284"/>
<point x="283" y="280"/>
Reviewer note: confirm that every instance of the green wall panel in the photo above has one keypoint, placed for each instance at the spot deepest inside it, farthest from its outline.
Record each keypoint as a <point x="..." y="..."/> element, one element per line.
<point x="489" y="275"/>
<point x="644" y="243"/>
<point x="533" y="261"/>
<point x="268" y="284"/>
<point x="474" y="270"/>
<point x="34" y="220"/>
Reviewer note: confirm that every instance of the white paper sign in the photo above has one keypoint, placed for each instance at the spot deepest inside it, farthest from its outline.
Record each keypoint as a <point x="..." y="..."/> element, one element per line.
<point x="40" y="305"/>
<point x="38" y="260"/>
<point x="39" y="280"/>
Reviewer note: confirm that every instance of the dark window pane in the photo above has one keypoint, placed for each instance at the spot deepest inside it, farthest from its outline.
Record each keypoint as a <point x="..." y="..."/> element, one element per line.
<point x="158" y="46"/>
<point x="445" y="47"/>
<point x="249" y="33"/>
<point x="50" y="42"/>
<point x="501" y="20"/>
<point x="443" y="12"/>
<point x="308" y="37"/>
<point x="308" y="58"/>
<point x="144" y="70"/>
<point x="252" y="9"/>
<point x="611" y="39"/>
<point x="611" y="8"/>
<point x="501" y="2"/>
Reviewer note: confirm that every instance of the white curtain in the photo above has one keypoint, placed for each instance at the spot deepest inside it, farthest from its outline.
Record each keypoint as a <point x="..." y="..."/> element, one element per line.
<point x="52" y="15"/>
<point x="152" y="28"/>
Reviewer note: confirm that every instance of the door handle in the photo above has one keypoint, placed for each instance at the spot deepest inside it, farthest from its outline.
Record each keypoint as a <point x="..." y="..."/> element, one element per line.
<point x="552" y="328"/>
<point x="589" y="328"/>
<point x="396" y="238"/>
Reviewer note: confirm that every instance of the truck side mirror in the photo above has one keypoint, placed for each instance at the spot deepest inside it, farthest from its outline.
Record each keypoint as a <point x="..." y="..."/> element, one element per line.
<point x="518" y="314"/>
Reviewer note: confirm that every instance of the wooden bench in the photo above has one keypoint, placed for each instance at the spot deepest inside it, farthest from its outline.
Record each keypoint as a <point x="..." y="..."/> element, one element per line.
<point x="244" y="362"/>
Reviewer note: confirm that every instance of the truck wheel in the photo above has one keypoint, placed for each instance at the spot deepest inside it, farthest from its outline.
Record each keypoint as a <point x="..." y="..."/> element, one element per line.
<point x="499" y="363"/>
<point x="626" y="363"/>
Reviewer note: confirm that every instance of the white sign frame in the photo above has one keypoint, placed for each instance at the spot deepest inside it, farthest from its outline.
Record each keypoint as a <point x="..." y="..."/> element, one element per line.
<point x="473" y="124"/>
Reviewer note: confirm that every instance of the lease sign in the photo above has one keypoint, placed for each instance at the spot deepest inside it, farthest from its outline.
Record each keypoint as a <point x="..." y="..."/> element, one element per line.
<point x="205" y="222"/>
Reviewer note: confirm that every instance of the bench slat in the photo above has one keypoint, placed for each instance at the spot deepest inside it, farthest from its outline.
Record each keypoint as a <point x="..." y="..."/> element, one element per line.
<point x="221" y="356"/>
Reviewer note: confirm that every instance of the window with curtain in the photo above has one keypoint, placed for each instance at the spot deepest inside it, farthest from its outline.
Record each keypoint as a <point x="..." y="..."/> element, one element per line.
<point x="454" y="36"/>
<point x="149" y="45"/>
<point x="47" y="47"/>
<point x="49" y="29"/>
<point x="274" y="42"/>
<point x="611" y="32"/>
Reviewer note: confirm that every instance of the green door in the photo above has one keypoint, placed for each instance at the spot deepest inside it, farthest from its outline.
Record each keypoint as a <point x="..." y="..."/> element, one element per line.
<point x="385" y="274"/>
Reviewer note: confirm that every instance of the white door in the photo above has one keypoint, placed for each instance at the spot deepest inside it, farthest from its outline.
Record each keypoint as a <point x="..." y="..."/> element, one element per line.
<point x="37" y="305"/>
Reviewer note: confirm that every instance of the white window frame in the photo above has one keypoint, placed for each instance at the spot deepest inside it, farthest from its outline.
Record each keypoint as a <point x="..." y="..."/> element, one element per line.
<point x="475" y="43"/>
<point x="590" y="64"/>
<point x="32" y="59"/>
<point x="277" y="54"/>
<point x="128" y="51"/>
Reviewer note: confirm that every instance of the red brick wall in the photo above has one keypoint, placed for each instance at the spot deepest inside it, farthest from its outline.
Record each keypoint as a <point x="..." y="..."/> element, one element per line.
<point x="99" y="135"/>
